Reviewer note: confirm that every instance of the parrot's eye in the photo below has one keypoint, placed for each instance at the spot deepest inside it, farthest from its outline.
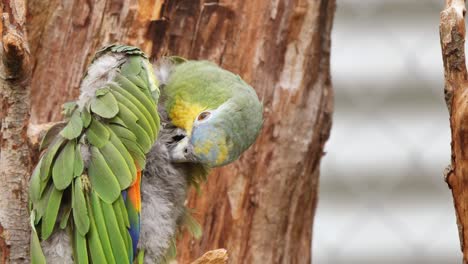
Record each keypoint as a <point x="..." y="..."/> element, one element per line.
<point x="203" y="116"/>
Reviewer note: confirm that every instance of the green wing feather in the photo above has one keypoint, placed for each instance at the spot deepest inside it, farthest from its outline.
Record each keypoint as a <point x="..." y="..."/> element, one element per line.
<point x="95" y="156"/>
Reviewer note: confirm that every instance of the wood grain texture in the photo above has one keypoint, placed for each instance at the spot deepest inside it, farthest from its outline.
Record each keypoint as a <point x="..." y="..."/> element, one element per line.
<point x="64" y="35"/>
<point x="261" y="208"/>
<point x="15" y="156"/>
<point x="452" y="39"/>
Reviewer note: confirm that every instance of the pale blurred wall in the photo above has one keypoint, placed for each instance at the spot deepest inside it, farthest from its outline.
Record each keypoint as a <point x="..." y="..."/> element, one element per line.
<point x="382" y="194"/>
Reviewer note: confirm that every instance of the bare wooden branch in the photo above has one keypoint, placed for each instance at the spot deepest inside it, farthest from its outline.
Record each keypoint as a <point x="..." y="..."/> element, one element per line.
<point x="452" y="39"/>
<point x="218" y="256"/>
<point x="15" y="155"/>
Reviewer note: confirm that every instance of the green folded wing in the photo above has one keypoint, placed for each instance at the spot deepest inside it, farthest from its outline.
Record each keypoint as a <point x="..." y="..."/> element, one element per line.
<point x="94" y="156"/>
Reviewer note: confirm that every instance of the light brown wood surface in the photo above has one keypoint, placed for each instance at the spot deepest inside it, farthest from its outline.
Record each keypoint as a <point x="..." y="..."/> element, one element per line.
<point x="452" y="39"/>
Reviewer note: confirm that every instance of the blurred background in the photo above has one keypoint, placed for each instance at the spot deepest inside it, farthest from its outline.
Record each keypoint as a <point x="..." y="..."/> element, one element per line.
<point x="382" y="195"/>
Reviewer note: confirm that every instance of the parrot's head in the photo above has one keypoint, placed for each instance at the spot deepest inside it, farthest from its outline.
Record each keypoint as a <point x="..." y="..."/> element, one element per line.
<point x="218" y="115"/>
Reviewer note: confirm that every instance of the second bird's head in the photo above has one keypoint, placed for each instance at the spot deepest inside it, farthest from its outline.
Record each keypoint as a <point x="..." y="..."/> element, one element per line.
<point x="218" y="113"/>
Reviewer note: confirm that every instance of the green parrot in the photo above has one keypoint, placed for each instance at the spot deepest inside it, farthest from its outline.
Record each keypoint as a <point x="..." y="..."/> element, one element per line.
<point x="112" y="180"/>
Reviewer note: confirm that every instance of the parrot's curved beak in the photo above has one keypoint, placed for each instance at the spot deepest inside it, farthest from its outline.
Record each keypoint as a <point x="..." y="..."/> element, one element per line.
<point x="182" y="151"/>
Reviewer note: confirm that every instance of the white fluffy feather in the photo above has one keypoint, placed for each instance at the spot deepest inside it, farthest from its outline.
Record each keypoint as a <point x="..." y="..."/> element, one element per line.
<point x="57" y="249"/>
<point x="85" y="154"/>
<point x="100" y="72"/>
<point x="163" y="69"/>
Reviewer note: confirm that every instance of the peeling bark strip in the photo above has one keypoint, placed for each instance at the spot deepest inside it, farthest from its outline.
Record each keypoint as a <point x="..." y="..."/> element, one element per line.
<point x="261" y="208"/>
<point x="14" y="150"/>
<point x="452" y="39"/>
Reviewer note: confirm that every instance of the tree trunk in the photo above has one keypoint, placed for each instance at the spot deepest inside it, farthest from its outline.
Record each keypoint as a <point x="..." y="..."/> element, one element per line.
<point x="260" y="208"/>
<point x="15" y="156"/>
<point x="452" y="39"/>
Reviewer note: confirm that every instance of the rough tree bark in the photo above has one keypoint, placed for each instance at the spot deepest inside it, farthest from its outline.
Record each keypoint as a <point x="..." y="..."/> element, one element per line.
<point x="15" y="156"/>
<point x="260" y="208"/>
<point x="452" y="39"/>
<point x="64" y="35"/>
